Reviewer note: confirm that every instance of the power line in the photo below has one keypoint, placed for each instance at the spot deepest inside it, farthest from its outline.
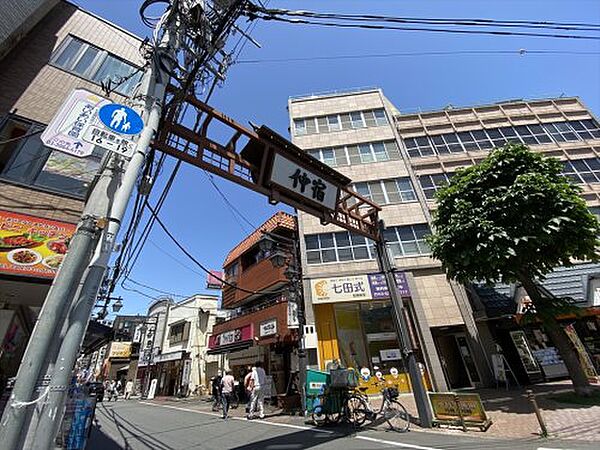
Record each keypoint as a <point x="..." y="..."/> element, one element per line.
<point x="198" y="263"/>
<point x="432" y="30"/>
<point x="520" y="52"/>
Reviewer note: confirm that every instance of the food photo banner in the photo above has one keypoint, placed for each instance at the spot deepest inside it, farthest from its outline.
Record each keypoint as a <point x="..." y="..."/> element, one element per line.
<point x="32" y="246"/>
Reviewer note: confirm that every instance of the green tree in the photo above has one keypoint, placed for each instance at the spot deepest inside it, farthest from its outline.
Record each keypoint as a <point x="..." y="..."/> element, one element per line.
<point x="513" y="218"/>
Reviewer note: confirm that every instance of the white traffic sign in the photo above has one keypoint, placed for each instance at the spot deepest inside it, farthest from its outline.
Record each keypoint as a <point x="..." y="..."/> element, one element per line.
<point x="66" y="130"/>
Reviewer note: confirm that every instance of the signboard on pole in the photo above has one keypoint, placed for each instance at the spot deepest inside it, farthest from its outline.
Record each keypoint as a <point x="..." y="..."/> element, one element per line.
<point x="65" y="131"/>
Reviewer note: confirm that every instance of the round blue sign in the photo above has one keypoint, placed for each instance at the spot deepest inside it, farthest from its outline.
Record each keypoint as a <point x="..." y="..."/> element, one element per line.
<point x="121" y="118"/>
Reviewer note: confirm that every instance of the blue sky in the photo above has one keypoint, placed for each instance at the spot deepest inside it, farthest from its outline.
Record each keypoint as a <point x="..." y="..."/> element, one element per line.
<point x="259" y="92"/>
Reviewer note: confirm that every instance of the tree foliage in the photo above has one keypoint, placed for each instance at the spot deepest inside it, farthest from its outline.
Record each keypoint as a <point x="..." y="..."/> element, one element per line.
<point x="512" y="215"/>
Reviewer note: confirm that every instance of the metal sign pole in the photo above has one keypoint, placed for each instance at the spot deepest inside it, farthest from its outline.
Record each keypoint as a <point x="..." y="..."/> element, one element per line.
<point x="416" y="380"/>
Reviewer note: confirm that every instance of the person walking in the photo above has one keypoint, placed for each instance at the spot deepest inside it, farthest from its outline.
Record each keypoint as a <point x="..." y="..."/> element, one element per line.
<point x="216" y="390"/>
<point x="128" y="389"/>
<point x="248" y="387"/>
<point x="259" y="380"/>
<point x="227" y="387"/>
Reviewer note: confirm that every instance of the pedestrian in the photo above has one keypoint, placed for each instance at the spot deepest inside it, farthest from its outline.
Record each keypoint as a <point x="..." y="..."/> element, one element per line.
<point x="259" y="379"/>
<point x="128" y="389"/>
<point x="227" y="387"/>
<point x="216" y="390"/>
<point x="112" y="390"/>
<point x="118" y="387"/>
<point x="248" y="387"/>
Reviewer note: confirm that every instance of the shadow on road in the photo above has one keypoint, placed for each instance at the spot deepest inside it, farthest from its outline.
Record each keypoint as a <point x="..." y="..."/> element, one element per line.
<point x="296" y="441"/>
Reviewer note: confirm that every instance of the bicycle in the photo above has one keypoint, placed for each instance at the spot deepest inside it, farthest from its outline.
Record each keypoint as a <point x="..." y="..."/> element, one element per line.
<point x="393" y="412"/>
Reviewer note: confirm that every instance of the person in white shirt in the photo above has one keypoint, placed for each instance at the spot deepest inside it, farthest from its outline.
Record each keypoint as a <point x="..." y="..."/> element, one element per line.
<point x="128" y="389"/>
<point x="227" y="387"/>
<point x="259" y="379"/>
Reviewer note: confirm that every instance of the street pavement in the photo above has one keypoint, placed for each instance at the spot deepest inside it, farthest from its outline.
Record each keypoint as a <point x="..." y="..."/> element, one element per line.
<point x="148" y="425"/>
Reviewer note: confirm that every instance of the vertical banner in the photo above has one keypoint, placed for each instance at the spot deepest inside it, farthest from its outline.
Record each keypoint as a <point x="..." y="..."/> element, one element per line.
<point x="584" y="357"/>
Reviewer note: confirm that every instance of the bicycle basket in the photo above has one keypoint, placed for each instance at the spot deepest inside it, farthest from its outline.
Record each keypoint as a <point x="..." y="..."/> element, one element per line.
<point x="343" y="378"/>
<point x="392" y="393"/>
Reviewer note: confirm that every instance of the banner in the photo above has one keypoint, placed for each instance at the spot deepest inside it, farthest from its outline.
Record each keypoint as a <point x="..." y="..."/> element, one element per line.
<point x="584" y="357"/>
<point x="446" y="409"/>
<point x="356" y="288"/>
<point x="32" y="246"/>
<point x="120" y="350"/>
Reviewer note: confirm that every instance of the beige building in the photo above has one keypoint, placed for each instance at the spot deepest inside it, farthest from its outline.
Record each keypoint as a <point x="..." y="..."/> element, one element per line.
<point x="47" y="49"/>
<point x="399" y="160"/>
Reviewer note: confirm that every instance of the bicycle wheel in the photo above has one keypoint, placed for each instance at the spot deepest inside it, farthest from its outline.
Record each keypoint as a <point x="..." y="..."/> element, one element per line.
<point x="355" y="410"/>
<point x="318" y="415"/>
<point x="396" y="416"/>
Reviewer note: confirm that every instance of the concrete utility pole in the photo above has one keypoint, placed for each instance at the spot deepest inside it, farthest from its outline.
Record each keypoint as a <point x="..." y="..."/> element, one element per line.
<point x="152" y="94"/>
<point x="77" y="267"/>
<point x="398" y="310"/>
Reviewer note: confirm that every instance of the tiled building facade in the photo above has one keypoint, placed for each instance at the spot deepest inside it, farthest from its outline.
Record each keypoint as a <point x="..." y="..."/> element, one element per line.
<point x="399" y="160"/>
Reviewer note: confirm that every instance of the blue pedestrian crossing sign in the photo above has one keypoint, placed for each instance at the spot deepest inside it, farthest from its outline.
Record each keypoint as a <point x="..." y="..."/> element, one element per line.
<point x="121" y="118"/>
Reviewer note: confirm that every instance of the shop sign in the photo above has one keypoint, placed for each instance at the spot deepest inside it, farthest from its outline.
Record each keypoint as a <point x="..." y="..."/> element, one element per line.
<point x="120" y="350"/>
<point x="390" y="354"/>
<point x="32" y="246"/>
<point x="340" y="289"/>
<point x="379" y="286"/>
<point x="356" y="288"/>
<point x="241" y="334"/>
<point x="268" y="328"/>
<point x="454" y="409"/>
<point x="584" y="357"/>
<point x="292" y="315"/>
<point x="166" y="357"/>
<point x="187" y="370"/>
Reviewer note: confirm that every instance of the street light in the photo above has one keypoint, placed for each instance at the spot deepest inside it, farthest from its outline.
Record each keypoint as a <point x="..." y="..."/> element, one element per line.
<point x="116" y="307"/>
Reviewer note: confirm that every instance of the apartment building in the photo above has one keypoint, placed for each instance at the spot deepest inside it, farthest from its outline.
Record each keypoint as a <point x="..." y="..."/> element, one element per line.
<point x="47" y="49"/>
<point x="399" y="161"/>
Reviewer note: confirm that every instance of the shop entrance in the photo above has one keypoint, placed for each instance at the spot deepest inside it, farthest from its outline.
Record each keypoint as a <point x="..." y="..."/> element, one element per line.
<point x="457" y="360"/>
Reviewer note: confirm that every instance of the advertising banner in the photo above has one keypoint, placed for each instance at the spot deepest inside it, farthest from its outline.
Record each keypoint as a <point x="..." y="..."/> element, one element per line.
<point x="446" y="406"/>
<point x="230" y="337"/>
<point x="356" y="288"/>
<point x="32" y="246"/>
<point x="584" y="357"/>
<point x="120" y="350"/>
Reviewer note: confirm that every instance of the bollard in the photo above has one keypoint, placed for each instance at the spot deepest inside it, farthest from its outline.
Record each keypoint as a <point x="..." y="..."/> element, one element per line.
<point x="538" y="412"/>
<point x="460" y="413"/>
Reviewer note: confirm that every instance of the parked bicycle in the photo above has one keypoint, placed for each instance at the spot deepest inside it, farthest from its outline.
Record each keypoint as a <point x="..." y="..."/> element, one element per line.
<point x="391" y="410"/>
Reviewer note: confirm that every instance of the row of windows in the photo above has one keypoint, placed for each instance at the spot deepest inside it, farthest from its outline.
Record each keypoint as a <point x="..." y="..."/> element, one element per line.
<point x="579" y="171"/>
<point x="357" y="154"/>
<point x="383" y="192"/>
<point x="342" y="246"/>
<point x="496" y="137"/>
<point x="27" y="161"/>
<point x="337" y="122"/>
<point x="95" y="64"/>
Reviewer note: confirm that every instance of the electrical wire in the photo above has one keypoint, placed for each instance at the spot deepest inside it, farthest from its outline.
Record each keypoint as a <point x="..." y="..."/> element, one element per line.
<point x="160" y="291"/>
<point x="199" y="264"/>
<point x="426" y="29"/>
<point x="23" y="136"/>
<point x="520" y="52"/>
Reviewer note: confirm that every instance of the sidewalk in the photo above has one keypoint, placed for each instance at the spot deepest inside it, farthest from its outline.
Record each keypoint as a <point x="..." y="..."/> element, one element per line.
<point x="510" y="411"/>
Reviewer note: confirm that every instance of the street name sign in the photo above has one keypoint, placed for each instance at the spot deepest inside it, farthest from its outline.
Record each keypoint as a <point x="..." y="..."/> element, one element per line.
<point x="65" y="131"/>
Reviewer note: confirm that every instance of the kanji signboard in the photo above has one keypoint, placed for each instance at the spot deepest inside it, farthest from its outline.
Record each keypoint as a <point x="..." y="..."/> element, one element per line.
<point x="295" y="178"/>
<point x="65" y="131"/>
<point x="356" y="287"/>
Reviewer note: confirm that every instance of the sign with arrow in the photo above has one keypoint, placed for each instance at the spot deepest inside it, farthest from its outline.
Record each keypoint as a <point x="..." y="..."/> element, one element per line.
<point x="65" y="131"/>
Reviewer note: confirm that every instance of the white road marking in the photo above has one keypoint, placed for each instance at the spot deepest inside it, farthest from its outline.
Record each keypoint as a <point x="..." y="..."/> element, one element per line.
<point x="265" y="422"/>
<point x="551" y="448"/>
<point x="395" y="444"/>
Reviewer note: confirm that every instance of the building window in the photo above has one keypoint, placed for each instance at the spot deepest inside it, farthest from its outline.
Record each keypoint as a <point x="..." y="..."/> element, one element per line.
<point x="27" y="161"/>
<point x="338" y="122"/>
<point x="232" y="271"/>
<point x="431" y="183"/>
<point x="384" y="192"/>
<point x="481" y="139"/>
<point x="179" y="332"/>
<point x="582" y="170"/>
<point x="408" y="240"/>
<point x="337" y="247"/>
<point x="357" y="154"/>
<point x="95" y="64"/>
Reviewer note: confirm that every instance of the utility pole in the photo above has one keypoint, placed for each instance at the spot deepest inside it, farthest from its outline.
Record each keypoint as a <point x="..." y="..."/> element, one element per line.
<point x="152" y="94"/>
<point x="408" y="352"/>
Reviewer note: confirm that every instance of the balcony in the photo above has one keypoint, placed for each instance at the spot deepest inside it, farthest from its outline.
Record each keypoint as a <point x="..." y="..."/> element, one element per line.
<point x="261" y="276"/>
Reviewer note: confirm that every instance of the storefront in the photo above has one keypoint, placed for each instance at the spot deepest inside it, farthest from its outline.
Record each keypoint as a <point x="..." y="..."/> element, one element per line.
<point x="355" y="326"/>
<point x="263" y="335"/>
<point x="171" y="374"/>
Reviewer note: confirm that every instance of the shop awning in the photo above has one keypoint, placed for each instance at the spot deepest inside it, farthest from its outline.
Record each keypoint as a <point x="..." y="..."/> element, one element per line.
<point x="231" y="348"/>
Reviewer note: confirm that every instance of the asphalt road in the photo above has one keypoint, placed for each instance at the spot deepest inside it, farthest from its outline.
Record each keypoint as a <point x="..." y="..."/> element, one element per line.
<point x="138" y="425"/>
